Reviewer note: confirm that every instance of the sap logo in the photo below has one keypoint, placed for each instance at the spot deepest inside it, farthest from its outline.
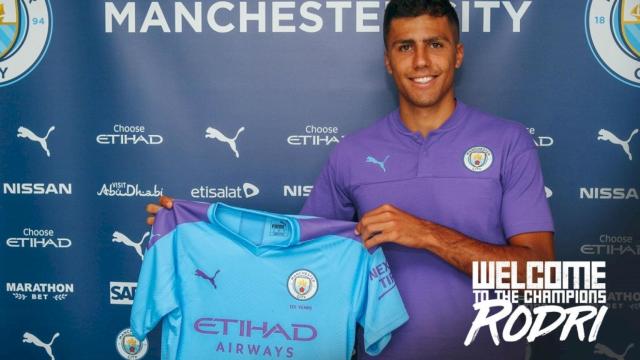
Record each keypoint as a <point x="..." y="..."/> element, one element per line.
<point x="608" y="193"/>
<point x="122" y="293"/>
<point x="247" y="190"/>
<point x="126" y="134"/>
<point x="297" y="190"/>
<point x="36" y="189"/>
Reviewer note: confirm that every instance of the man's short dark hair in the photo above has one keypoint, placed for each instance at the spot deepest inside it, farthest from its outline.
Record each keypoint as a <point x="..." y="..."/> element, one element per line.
<point x="414" y="8"/>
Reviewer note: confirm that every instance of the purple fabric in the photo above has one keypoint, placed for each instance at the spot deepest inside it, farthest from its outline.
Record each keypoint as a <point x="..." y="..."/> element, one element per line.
<point x="316" y="227"/>
<point x="427" y="177"/>
<point x="183" y="212"/>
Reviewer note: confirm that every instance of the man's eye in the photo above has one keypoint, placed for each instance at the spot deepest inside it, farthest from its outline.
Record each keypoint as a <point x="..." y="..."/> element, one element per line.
<point x="404" y="47"/>
<point x="436" y="45"/>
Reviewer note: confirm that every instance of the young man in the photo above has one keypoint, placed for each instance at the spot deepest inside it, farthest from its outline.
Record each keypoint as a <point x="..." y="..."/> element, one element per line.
<point x="438" y="185"/>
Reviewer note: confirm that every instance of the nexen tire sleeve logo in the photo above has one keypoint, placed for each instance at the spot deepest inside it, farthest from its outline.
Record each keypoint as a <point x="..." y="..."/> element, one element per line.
<point x="25" y="32"/>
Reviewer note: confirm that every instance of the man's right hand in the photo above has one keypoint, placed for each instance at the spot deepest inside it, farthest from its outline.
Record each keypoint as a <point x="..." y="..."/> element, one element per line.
<point x="152" y="209"/>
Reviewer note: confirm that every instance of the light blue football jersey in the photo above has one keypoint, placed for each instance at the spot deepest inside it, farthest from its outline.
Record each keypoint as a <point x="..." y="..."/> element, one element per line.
<point x="234" y="283"/>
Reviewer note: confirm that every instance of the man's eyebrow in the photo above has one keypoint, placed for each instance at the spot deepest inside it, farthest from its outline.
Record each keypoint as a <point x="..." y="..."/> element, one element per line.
<point x="436" y="38"/>
<point x="403" y="42"/>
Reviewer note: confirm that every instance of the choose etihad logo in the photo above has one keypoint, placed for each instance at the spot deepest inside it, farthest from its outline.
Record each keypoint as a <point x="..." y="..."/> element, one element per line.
<point x="247" y="190"/>
<point x="541" y="140"/>
<point x="40" y="291"/>
<point x="25" y="26"/>
<point x="129" y="135"/>
<point x="122" y="293"/>
<point x="612" y="245"/>
<point x="607" y="193"/>
<point x="29" y="338"/>
<point x="316" y="136"/>
<point x="37" y="189"/>
<point x="38" y="238"/>
<point x="23" y="132"/>
<point x="124" y="189"/>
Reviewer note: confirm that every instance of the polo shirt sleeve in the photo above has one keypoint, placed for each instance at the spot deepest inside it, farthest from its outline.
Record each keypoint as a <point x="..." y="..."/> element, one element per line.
<point x="329" y="197"/>
<point x="380" y="309"/>
<point x="155" y="295"/>
<point x="524" y="203"/>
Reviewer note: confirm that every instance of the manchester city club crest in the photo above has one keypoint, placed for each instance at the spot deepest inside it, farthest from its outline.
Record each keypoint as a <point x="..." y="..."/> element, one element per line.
<point x="25" y="32"/>
<point x="613" y="33"/>
<point x="478" y="158"/>
<point x="302" y="284"/>
<point x="129" y="347"/>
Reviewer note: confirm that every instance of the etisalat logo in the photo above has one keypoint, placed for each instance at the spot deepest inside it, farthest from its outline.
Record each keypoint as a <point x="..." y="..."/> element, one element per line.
<point x="247" y="190"/>
<point x="124" y="189"/>
<point x="548" y="286"/>
<point x="129" y="135"/>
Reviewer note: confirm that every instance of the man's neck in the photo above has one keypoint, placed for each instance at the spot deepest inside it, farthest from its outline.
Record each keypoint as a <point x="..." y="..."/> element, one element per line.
<point x="426" y="119"/>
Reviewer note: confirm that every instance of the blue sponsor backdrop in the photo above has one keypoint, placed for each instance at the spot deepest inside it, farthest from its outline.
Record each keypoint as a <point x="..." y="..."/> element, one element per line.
<point x="198" y="100"/>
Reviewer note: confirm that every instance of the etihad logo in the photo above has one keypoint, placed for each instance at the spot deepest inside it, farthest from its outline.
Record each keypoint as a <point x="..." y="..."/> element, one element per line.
<point x="601" y="349"/>
<point x="36" y="189"/>
<point x="23" y="132"/>
<point x="129" y="135"/>
<point x="612" y="245"/>
<point x="371" y="159"/>
<point x="123" y="189"/>
<point x="316" y="136"/>
<point x="38" y="238"/>
<point x="122" y="293"/>
<point x="247" y="190"/>
<point x="210" y="279"/>
<point x="607" y="135"/>
<point x="215" y="134"/>
<point x="594" y="193"/>
<point x="39" y="291"/>
<point x="29" y="338"/>
<point x="121" y="238"/>
<point x="297" y="190"/>
<point x="540" y="141"/>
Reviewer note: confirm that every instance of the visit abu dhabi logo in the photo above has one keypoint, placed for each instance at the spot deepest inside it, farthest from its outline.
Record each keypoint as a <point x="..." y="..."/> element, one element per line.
<point x="25" y="32"/>
<point x="613" y="34"/>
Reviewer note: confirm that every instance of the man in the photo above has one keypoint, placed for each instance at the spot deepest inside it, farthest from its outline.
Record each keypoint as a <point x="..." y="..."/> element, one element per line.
<point x="438" y="185"/>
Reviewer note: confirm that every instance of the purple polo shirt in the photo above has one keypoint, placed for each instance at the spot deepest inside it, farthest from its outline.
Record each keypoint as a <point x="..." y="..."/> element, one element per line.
<point x="477" y="174"/>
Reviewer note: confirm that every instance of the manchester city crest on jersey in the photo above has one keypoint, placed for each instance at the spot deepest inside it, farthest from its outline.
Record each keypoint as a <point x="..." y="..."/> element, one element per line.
<point x="613" y="33"/>
<point x="129" y="347"/>
<point x="478" y="158"/>
<point x="302" y="284"/>
<point x="25" y="31"/>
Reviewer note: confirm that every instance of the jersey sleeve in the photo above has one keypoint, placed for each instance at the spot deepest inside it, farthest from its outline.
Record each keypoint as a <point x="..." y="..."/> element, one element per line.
<point x="524" y="203"/>
<point x="380" y="307"/>
<point x="155" y="295"/>
<point x="329" y="197"/>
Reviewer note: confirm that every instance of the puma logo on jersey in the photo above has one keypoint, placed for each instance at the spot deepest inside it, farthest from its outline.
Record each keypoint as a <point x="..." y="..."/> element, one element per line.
<point x="371" y="159"/>
<point x="217" y="135"/>
<point x="607" y="135"/>
<point x="211" y="279"/>
<point x="23" y="132"/>
<point x="32" y="339"/>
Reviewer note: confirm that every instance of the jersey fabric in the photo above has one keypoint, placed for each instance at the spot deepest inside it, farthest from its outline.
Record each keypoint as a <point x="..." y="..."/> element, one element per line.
<point x="237" y="283"/>
<point x="477" y="174"/>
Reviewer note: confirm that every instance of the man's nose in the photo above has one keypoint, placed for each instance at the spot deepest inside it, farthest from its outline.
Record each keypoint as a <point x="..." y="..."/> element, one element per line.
<point x="421" y="57"/>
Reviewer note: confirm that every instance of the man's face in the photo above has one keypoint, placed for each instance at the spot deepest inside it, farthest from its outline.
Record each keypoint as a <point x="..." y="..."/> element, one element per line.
<point x="422" y="55"/>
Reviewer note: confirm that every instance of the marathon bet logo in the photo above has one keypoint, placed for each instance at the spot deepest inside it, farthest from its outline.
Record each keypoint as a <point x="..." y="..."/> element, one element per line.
<point x="129" y="135"/>
<point x="247" y="190"/>
<point x="124" y="189"/>
<point x="38" y="238"/>
<point x="316" y="136"/>
<point x="36" y="189"/>
<point x="612" y="245"/>
<point x="607" y="193"/>
<point x="297" y="190"/>
<point x="122" y="293"/>
<point x="39" y="291"/>
<point x="623" y="300"/>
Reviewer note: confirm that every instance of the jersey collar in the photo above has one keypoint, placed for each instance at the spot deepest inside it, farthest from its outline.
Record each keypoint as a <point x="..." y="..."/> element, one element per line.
<point x="222" y="215"/>
<point x="451" y="123"/>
